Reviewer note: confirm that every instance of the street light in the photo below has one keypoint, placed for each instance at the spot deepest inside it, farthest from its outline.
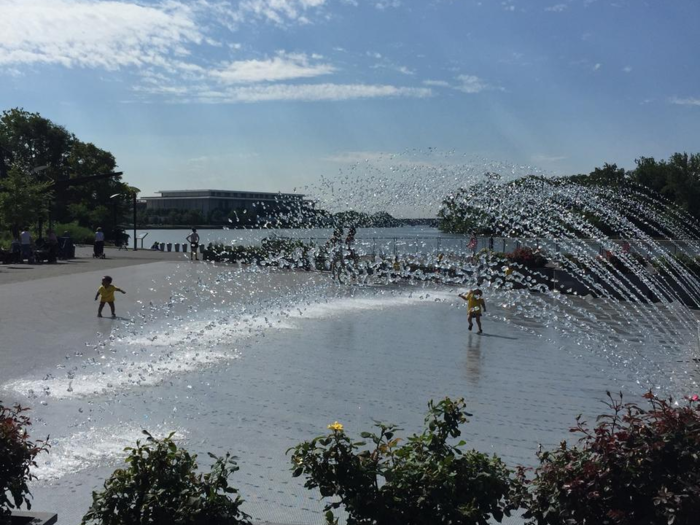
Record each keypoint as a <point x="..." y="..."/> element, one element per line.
<point x="114" y="216"/>
<point x="133" y="192"/>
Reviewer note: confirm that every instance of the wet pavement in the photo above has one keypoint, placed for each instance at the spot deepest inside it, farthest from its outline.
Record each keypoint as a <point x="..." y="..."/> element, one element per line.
<point x="255" y="361"/>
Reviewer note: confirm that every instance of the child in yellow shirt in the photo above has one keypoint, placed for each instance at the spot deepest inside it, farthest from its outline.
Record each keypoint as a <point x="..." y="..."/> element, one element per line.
<point x="475" y="306"/>
<point x="106" y="292"/>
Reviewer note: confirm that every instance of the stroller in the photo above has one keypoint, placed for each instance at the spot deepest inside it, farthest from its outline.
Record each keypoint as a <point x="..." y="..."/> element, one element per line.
<point x="99" y="250"/>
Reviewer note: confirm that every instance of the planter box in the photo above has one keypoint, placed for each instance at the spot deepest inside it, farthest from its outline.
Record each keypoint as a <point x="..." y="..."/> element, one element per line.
<point x="33" y="518"/>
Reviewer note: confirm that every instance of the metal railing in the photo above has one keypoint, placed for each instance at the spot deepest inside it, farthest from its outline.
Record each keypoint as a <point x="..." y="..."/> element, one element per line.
<point x="392" y="246"/>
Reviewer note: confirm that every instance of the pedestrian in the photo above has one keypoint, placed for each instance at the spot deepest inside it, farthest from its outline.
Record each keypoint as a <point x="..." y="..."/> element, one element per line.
<point x="475" y="306"/>
<point x="99" y="246"/>
<point x="106" y="294"/>
<point x="193" y="239"/>
<point x="15" y="251"/>
<point x="25" y="239"/>
<point x="53" y="246"/>
<point x="473" y="242"/>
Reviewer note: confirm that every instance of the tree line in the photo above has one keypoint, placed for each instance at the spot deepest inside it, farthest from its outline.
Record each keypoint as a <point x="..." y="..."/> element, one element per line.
<point x="675" y="181"/>
<point x="47" y="177"/>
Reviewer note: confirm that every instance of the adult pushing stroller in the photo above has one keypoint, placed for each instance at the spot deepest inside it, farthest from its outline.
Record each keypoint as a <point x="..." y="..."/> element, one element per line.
<point x="98" y="250"/>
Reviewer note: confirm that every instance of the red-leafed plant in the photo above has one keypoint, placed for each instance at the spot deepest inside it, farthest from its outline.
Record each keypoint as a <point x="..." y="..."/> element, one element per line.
<point x="636" y="467"/>
<point x="527" y="257"/>
<point x="17" y="455"/>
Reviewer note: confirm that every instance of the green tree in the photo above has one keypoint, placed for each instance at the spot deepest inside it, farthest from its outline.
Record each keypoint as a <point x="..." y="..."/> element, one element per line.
<point x="50" y="153"/>
<point x="677" y="179"/>
<point x="23" y="200"/>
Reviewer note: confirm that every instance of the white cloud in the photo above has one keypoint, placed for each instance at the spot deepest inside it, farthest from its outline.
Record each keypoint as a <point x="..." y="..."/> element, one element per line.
<point x="558" y="8"/>
<point x="280" y="12"/>
<point x="627" y="69"/>
<point x="471" y="84"/>
<point x="304" y="93"/>
<point x="86" y="33"/>
<point x="160" y="42"/>
<point x="114" y="34"/>
<point x="691" y="101"/>
<point x="597" y="67"/>
<point x="387" y="4"/>
<point x="282" y="67"/>
<point x="436" y="83"/>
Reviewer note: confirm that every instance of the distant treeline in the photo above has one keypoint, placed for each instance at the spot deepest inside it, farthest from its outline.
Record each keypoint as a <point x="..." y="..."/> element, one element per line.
<point x="677" y="180"/>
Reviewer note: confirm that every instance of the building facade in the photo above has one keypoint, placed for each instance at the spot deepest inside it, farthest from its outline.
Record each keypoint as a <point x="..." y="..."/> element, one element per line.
<point x="205" y="201"/>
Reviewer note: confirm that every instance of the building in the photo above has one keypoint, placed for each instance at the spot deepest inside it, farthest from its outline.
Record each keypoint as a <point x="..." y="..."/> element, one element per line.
<point x="206" y="201"/>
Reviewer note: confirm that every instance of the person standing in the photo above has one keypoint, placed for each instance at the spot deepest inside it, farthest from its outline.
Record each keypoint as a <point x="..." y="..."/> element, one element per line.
<point x="53" y="246"/>
<point x="473" y="242"/>
<point x="25" y="239"/>
<point x="193" y="239"/>
<point x="475" y="306"/>
<point x="99" y="247"/>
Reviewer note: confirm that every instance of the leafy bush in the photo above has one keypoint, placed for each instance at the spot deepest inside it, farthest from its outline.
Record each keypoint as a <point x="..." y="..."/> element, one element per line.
<point x="272" y="252"/>
<point x="691" y="264"/>
<point x="17" y="455"/>
<point x="79" y="234"/>
<point x="160" y="486"/>
<point x="636" y="467"/>
<point x="527" y="257"/>
<point x="426" y="481"/>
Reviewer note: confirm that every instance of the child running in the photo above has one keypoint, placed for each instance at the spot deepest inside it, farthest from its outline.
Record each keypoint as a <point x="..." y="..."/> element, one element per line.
<point x="475" y="306"/>
<point x="106" y="291"/>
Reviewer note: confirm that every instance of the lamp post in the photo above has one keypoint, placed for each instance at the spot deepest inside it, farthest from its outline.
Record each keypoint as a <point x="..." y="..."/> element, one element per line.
<point x="133" y="192"/>
<point x="114" y="217"/>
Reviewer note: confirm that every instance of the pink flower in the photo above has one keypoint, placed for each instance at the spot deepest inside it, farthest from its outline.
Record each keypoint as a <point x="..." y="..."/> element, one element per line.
<point x="695" y="398"/>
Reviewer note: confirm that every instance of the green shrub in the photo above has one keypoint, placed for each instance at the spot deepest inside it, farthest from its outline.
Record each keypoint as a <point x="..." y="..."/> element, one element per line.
<point x="160" y="486"/>
<point x="425" y="481"/>
<point x="271" y="252"/>
<point x="691" y="264"/>
<point x="636" y="467"/>
<point x="17" y="456"/>
<point x="79" y="234"/>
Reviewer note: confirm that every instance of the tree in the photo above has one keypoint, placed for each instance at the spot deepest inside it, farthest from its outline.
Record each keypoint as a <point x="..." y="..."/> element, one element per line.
<point x="23" y="200"/>
<point x="678" y="179"/>
<point x="29" y="141"/>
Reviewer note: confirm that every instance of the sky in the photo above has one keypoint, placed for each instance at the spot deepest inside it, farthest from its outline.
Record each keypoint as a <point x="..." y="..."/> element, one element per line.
<point x="272" y="95"/>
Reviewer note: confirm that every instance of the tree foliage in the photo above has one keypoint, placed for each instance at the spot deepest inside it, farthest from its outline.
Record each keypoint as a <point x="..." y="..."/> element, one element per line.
<point x="677" y="180"/>
<point x="636" y="467"/>
<point x="17" y="456"/>
<point x="48" y="153"/>
<point x="161" y="486"/>
<point x="426" y="481"/>
<point x="23" y="200"/>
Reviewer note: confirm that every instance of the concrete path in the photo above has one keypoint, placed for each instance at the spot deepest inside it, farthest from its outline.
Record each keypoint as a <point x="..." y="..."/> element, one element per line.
<point x="84" y="262"/>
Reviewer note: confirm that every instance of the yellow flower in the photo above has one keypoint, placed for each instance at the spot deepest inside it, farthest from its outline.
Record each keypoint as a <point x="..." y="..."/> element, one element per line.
<point x="337" y="427"/>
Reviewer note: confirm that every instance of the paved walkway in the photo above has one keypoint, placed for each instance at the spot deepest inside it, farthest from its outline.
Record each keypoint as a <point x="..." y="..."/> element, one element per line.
<point x="84" y="262"/>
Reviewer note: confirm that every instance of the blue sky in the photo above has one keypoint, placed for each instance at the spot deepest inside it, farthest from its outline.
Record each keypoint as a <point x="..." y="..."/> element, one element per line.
<point x="273" y="94"/>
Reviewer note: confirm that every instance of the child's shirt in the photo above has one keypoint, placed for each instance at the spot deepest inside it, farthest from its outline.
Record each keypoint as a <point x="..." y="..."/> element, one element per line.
<point x="475" y="304"/>
<point x="107" y="293"/>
